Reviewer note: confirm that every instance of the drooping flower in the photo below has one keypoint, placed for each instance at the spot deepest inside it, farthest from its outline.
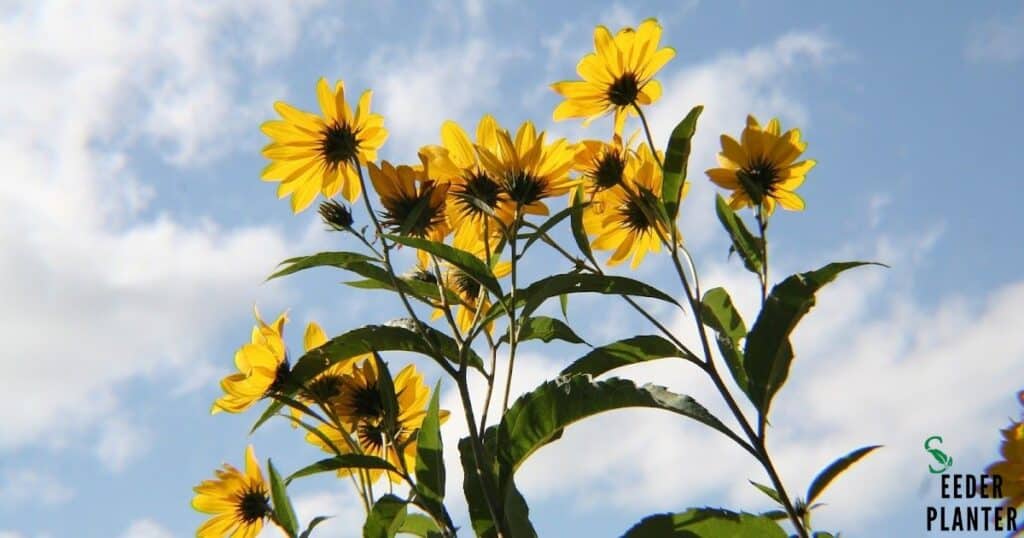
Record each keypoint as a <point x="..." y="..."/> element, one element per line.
<point x="314" y="154"/>
<point x="1011" y="467"/>
<point x="623" y="217"/>
<point x="239" y="502"/>
<point x="262" y="366"/>
<point x="761" y="169"/>
<point x="618" y="75"/>
<point x="475" y="198"/>
<point x="361" y="410"/>
<point x="528" y="169"/>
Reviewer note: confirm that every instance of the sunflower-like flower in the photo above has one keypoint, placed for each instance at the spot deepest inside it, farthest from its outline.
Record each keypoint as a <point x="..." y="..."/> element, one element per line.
<point x="528" y="169"/>
<point x="360" y="408"/>
<point x="617" y="76"/>
<point x="1011" y="467"/>
<point x="313" y="154"/>
<point x="262" y="366"/>
<point x="605" y="165"/>
<point x="761" y="169"/>
<point x="325" y="387"/>
<point x="623" y="217"/>
<point x="475" y="195"/>
<point x="470" y="292"/>
<point x="239" y="502"/>
<point x="411" y="202"/>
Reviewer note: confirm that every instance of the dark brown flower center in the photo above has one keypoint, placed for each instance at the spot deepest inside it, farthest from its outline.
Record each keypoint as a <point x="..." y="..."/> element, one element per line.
<point x="338" y="144"/>
<point x="523" y="187"/>
<point x="478" y="190"/>
<point x="465" y="284"/>
<point x="415" y="215"/>
<point x="608" y="170"/>
<point x="758" y="178"/>
<point x="636" y="212"/>
<point x="367" y="403"/>
<point x="325" y="388"/>
<point x="253" y="505"/>
<point x="281" y="378"/>
<point x="336" y="215"/>
<point x="624" y="90"/>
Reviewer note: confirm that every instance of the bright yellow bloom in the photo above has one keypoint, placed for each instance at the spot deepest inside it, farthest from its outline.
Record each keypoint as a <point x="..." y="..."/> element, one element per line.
<point x="1011" y="467"/>
<point x="361" y="411"/>
<point x="761" y="169"/>
<point x="261" y="364"/>
<point x="239" y="502"/>
<point x="313" y="154"/>
<point x="528" y="170"/>
<point x="616" y="76"/>
<point x="605" y="165"/>
<point x="623" y="217"/>
<point x="456" y="162"/>
<point x="326" y="386"/>
<point x="469" y="291"/>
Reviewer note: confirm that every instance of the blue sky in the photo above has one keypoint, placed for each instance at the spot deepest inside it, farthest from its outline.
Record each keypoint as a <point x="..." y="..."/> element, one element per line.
<point x="137" y="236"/>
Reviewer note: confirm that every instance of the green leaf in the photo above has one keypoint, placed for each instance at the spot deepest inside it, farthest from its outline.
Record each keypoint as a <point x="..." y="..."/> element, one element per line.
<point x="426" y="292"/>
<point x="706" y="523"/>
<point x="676" y="156"/>
<point x="535" y="294"/>
<point x="465" y="261"/>
<point x="775" y="515"/>
<point x="769" y="491"/>
<point x="473" y="490"/>
<point x="743" y="242"/>
<point x="545" y="329"/>
<point x="314" y="431"/>
<point x="536" y="417"/>
<point x="430" y="473"/>
<point x="563" y="300"/>
<point x="312" y="525"/>
<point x="826" y="476"/>
<point x="822" y="534"/>
<point x="547" y="225"/>
<point x="623" y="353"/>
<point x="344" y="260"/>
<point x="283" y="511"/>
<point x="343" y="461"/>
<point x="271" y="410"/>
<point x="386" y="517"/>
<point x="420" y="525"/>
<point x="578" y="232"/>
<point x="377" y="338"/>
<point x="388" y="398"/>
<point x="718" y="312"/>
<point x="768" y="354"/>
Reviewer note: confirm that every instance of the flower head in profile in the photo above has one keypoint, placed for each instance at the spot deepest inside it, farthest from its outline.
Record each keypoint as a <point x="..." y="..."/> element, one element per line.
<point x="528" y="169"/>
<point x="603" y="165"/>
<point x="262" y="367"/>
<point x="475" y="197"/>
<point x="239" y="502"/>
<point x="617" y="76"/>
<point x="762" y="169"/>
<point x="623" y="218"/>
<point x="412" y="204"/>
<point x="318" y="154"/>
<point x="1011" y="467"/>
<point x="361" y="410"/>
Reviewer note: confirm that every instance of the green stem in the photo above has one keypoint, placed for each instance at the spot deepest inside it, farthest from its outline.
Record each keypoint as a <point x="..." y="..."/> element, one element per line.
<point x="513" y="328"/>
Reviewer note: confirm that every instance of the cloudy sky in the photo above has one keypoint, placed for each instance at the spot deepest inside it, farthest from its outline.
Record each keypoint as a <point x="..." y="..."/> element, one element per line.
<point x="136" y="236"/>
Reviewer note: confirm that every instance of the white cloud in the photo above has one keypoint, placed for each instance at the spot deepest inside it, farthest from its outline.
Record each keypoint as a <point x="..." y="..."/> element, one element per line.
<point x="343" y="507"/>
<point x="146" y="528"/>
<point x="33" y="487"/>
<point x="997" y="40"/>
<point x="9" y="534"/>
<point x="94" y="295"/>
<point x="121" y="443"/>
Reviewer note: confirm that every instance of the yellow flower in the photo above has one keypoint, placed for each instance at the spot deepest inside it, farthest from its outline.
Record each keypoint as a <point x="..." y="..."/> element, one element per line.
<point x="262" y="364"/>
<point x="604" y="165"/>
<point x="761" y="169"/>
<point x="313" y="154"/>
<point x="456" y="162"/>
<point x="360" y="409"/>
<point x="410" y="200"/>
<point x="239" y="502"/>
<point x="618" y="74"/>
<point x="623" y="218"/>
<point x="528" y="170"/>
<point x="1011" y="467"/>
<point x="326" y="386"/>
<point x="469" y="291"/>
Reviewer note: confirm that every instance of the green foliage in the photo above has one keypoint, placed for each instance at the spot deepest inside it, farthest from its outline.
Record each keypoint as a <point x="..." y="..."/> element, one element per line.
<point x="677" y="155"/>
<point x="706" y="523"/>
<point x="825" y="477"/>
<point x="284" y="514"/>
<point x="430" y="472"/>
<point x="545" y="329"/>
<point x="352" y="261"/>
<point x="386" y="518"/>
<point x="465" y="261"/>
<point x="743" y="242"/>
<point x="342" y="461"/>
<point x="420" y="525"/>
<point x="625" y="352"/>
<point x="312" y="525"/>
<point x="718" y="312"/>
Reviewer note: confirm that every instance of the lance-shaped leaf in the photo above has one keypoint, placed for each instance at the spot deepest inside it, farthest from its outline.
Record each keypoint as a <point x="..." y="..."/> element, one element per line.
<point x="535" y="294"/>
<point x="623" y="353"/>
<point x="474" y="267"/>
<point x="547" y="225"/>
<point x="718" y="312"/>
<point x="343" y="260"/>
<point x="743" y="242"/>
<point x="386" y="517"/>
<point x="284" y="514"/>
<point x="512" y="505"/>
<point x="536" y="417"/>
<point x="377" y="338"/>
<point x="578" y="232"/>
<point x="706" y="522"/>
<point x="768" y="353"/>
<point x="769" y="491"/>
<point x="430" y="474"/>
<point x="677" y="154"/>
<point x="388" y="398"/>
<point x="312" y="525"/>
<point x="420" y="525"/>
<point x="826" y="476"/>
<point x="342" y="461"/>
<point x="545" y="329"/>
<point x="426" y="292"/>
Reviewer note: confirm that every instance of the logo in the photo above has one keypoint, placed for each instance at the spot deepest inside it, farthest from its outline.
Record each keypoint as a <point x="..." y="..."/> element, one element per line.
<point x="945" y="462"/>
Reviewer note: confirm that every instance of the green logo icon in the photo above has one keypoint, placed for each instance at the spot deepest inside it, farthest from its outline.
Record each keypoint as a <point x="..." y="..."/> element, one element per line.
<point x="944" y="461"/>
